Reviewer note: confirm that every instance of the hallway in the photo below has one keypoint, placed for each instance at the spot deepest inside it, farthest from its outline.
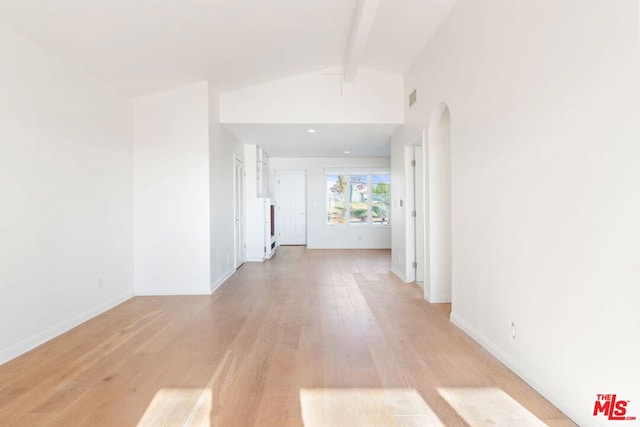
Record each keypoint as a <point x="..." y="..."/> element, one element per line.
<point x="320" y="337"/>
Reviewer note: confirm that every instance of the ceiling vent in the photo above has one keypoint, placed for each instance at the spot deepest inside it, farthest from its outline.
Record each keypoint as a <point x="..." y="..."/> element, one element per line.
<point x="413" y="97"/>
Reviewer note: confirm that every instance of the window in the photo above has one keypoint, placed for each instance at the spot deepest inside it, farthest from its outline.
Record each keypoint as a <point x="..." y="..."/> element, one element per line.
<point x="380" y="199"/>
<point x="358" y="199"/>
<point x="336" y="186"/>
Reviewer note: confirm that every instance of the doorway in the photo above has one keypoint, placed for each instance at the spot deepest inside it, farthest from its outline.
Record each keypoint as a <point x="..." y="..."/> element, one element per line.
<point x="417" y="254"/>
<point x="292" y="208"/>
<point x="238" y="193"/>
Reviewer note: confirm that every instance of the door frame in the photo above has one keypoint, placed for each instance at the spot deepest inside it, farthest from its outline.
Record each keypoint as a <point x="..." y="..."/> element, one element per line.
<point x="414" y="166"/>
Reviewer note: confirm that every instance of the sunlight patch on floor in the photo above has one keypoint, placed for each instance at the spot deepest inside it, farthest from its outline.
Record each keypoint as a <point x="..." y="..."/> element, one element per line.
<point x="365" y="407"/>
<point x="179" y="407"/>
<point x="481" y="407"/>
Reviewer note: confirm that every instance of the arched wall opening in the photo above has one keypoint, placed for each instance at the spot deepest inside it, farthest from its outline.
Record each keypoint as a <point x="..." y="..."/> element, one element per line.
<point x="439" y="205"/>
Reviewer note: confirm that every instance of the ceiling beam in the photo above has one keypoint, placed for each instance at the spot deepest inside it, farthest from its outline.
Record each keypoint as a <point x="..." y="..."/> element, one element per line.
<point x="360" y="30"/>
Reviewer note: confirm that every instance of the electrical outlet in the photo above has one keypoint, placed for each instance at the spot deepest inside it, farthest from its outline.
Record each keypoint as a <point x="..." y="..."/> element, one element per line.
<point x="512" y="333"/>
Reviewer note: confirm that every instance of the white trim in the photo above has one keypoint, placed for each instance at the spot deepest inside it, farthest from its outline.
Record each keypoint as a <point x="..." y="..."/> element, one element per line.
<point x="398" y="273"/>
<point x="220" y="282"/>
<point x="255" y="260"/>
<point x="332" y="248"/>
<point x="571" y="411"/>
<point x="437" y="299"/>
<point x="358" y="225"/>
<point x="59" y="329"/>
<point x="170" y="292"/>
<point x="357" y="171"/>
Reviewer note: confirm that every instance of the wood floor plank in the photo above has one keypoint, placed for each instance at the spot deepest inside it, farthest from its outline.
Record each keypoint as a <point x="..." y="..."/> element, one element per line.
<point x="321" y="337"/>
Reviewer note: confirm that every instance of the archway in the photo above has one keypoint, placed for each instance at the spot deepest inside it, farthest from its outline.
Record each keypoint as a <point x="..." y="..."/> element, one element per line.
<point x="439" y="206"/>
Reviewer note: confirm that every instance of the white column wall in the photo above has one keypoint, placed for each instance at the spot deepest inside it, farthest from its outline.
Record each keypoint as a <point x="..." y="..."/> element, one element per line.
<point x="223" y="146"/>
<point x="171" y="191"/>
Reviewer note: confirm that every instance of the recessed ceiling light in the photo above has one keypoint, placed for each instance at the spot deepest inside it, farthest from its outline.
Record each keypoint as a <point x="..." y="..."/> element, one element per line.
<point x="311" y="130"/>
<point x="347" y="152"/>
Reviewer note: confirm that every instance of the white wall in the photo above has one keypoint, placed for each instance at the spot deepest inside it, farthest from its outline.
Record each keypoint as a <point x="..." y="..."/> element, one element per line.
<point x="66" y="197"/>
<point x="171" y="191"/>
<point x="374" y="97"/>
<point x="223" y="146"/>
<point x="544" y="101"/>
<point x="319" y="234"/>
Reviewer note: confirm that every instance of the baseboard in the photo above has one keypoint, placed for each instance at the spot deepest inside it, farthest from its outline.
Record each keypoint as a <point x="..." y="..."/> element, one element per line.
<point x="439" y="299"/>
<point x="255" y="260"/>
<point x="399" y="274"/>
<point x="561" y="403"/>
<point x="218" y="283"/>
<point x="177" y="292"/>
<point x="59" y="329"/>
<point x="347" y="247"/>
<point x="170" y="292"/>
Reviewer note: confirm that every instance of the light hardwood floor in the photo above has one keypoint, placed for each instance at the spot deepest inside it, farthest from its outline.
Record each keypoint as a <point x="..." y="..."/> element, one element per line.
<point x="311" y="337"/>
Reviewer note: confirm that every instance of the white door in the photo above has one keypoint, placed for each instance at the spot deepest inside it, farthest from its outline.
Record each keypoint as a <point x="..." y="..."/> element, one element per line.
<point x="292" y="208"/>
<point x="240" y="253"/>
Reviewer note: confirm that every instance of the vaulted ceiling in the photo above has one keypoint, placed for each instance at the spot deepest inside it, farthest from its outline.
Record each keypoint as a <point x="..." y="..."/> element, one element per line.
<point x="145" y="46"/>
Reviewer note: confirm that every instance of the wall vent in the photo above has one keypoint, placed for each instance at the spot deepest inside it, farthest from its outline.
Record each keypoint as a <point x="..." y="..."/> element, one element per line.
<point x="413" y="97"/>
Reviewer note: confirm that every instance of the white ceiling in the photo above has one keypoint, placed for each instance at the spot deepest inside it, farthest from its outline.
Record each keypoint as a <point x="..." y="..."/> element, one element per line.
<point x="329" y="140"/>
<point x="400" y="32"/>
<point x="146" y="46"/>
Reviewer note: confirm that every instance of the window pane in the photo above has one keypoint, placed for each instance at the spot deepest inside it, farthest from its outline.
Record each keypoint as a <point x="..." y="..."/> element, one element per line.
<point x="381" y="204"/>
<point x="358" y="199"/>
<point x="336" y="187"/>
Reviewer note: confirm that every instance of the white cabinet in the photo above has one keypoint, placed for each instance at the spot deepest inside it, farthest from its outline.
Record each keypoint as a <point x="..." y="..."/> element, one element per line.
<point x="262" y="172"/>
<point x="258" y="206"/>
